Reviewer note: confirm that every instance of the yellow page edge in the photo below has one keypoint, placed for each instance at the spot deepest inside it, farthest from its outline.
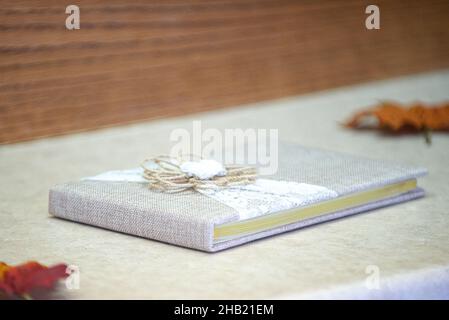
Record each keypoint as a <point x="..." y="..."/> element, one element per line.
<point x="294" y="215"/>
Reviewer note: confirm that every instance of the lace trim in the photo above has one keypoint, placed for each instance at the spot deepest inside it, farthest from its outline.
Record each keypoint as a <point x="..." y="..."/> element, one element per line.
<point x="263" y="197"/>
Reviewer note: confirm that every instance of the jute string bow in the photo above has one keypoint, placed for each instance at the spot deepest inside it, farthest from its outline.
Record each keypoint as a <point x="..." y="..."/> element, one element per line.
<point x="166" y="175"/>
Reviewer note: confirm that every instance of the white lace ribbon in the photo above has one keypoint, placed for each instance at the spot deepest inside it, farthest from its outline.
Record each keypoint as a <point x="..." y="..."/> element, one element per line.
<point x="265" y="196"/>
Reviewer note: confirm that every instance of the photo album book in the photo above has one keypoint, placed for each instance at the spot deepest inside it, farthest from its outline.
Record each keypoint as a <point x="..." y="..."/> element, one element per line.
<point x="206" y="206"/>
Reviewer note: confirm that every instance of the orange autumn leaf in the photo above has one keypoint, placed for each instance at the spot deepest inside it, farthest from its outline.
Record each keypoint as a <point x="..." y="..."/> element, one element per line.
<point x="3" y="268"/>
<point x="21" y="280"/>
<point x="394" y="117"/>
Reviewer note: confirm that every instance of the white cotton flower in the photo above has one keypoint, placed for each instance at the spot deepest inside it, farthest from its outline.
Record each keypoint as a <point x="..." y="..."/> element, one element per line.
<point x="203" y="169"/>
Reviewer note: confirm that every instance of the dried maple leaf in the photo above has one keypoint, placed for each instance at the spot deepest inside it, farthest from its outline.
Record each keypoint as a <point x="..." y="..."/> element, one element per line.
<point x="21" y="280"/>
<point x="395" y="118"/>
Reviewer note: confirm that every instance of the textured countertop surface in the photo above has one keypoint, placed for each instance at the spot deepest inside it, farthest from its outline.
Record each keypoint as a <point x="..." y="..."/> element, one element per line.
<point x="405" y="245"/>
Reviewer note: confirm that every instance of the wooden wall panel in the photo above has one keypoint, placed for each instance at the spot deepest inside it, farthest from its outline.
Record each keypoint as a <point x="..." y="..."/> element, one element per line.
<point x="135" y="60"/>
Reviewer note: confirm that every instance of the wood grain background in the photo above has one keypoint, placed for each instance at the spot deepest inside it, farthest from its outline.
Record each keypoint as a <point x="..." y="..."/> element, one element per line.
<point x="136" y="60"/>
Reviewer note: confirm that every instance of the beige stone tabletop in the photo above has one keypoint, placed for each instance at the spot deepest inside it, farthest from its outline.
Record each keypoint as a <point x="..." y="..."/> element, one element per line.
<point x="406" y="245"/>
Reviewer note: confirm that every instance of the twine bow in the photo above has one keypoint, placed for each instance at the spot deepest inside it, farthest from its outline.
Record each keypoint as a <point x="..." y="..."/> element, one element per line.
<point x="167" y="176"/>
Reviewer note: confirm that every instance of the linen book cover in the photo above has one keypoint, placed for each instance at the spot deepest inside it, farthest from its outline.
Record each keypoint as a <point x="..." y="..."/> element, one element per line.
<point x="310" y="186"/>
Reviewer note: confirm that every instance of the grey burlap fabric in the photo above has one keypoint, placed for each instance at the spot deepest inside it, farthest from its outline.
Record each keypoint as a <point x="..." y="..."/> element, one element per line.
<point x="188" y="218"/>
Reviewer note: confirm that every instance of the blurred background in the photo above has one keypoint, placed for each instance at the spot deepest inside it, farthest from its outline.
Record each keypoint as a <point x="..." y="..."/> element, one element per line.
<point x="137" y="60"/>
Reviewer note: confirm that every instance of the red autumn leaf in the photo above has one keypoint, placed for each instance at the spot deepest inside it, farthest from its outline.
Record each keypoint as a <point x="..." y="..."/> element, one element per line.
<point x="21" y="280"/>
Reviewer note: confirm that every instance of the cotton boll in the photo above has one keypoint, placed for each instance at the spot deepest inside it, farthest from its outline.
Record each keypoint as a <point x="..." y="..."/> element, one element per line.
<point x="203" y="169"/>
